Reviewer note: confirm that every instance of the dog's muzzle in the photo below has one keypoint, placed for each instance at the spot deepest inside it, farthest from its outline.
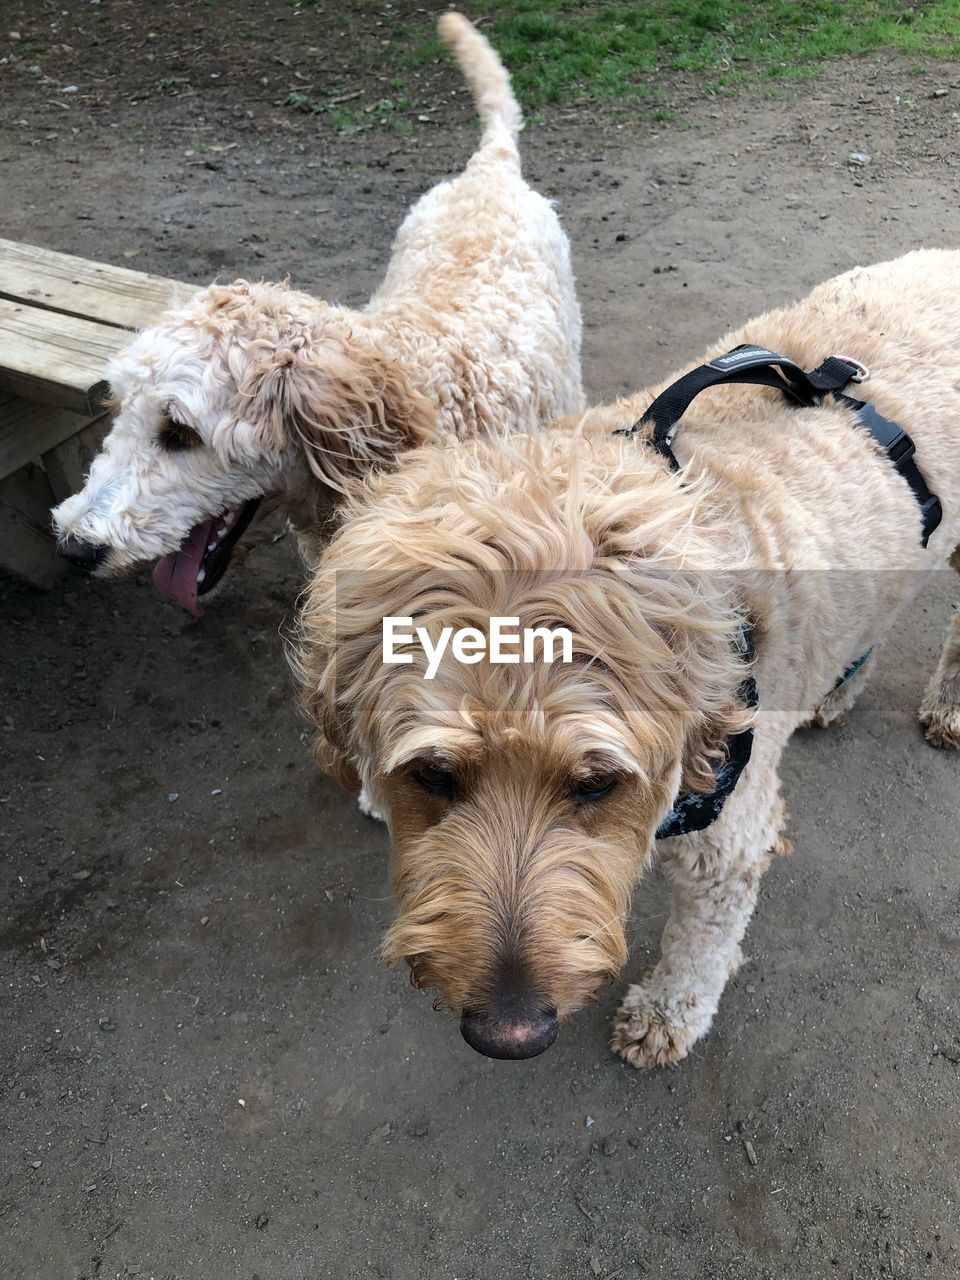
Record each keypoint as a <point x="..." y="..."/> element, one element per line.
<point x="85" y="555"/>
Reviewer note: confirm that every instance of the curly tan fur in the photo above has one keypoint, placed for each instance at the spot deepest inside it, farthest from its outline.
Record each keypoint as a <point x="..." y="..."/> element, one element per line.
<point x="790" y="517"/>
<point x="521" y="877"/>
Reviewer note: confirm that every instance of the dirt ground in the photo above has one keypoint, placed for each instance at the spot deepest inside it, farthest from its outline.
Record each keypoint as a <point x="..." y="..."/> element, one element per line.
<point x="204" y="1071"/>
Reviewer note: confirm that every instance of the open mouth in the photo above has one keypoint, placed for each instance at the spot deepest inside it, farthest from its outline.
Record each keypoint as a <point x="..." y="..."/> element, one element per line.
<point x="191" y="574"/>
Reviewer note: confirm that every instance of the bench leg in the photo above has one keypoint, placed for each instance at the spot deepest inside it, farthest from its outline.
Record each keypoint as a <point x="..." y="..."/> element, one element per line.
<point x="27" y="544"/>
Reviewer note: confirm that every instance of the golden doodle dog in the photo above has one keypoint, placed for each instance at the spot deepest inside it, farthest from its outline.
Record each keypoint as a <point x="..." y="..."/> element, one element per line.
<point x="254" y="390"/>
<point x="524" y="800"/>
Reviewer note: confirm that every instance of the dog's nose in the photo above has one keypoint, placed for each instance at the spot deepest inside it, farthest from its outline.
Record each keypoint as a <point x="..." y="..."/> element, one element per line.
<point x="512" y="1028"/>
<point x="85" y="555"/>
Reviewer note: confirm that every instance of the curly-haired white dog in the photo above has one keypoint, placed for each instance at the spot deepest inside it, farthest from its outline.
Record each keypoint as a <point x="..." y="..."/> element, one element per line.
<point x="524" y="799"/>
<point x="254" y="389"/>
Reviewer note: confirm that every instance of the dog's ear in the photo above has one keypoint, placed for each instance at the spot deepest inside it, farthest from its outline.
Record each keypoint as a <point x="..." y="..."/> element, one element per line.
<point x="672" y="639"/>
<point x="348" y="404"/>
<point x="706" y="744"/>
<point x="337" y="763"/>
<point x="330" y="746"/>
<point x="312" y="657"/>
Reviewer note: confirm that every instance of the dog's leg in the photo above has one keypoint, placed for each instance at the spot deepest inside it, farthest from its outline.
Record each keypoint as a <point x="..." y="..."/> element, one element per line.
<point x="940" y="708"/>
<point x="838" y="701"/>
<point x="715" y="877"/>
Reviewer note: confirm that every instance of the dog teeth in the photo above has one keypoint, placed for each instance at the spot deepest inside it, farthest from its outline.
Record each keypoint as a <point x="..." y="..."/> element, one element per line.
<point x="201" y="575"/>
<point x="212" y="546"/>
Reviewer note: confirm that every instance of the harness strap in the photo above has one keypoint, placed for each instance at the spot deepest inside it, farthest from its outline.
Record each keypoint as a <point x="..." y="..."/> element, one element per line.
<point x="852" y="670"/>
<point x="900" y="449"/>
<point x="693" y="811"/>
<point x="762" y="367"/>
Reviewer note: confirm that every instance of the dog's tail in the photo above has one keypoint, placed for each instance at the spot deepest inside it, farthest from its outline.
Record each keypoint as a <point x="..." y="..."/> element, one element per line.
<point x="485" y="74"/>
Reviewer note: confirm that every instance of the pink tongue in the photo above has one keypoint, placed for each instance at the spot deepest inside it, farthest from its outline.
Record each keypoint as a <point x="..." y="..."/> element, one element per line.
<point x="176" y="574"/>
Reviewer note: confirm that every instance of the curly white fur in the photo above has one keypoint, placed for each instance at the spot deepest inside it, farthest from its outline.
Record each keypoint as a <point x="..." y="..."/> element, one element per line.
<point x="475" y="328"/>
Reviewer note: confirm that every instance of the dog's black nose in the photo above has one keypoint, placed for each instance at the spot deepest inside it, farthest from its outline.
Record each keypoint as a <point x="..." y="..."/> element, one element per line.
<point x="85" y="555"/>
<point x="511" y="1028"/>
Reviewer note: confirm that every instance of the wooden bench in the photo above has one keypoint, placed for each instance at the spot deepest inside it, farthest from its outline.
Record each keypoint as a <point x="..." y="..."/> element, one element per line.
<point x="61" y="318"/>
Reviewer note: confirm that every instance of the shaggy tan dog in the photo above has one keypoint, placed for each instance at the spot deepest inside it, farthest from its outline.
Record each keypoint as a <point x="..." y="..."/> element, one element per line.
<point x="523" y="799"/>
<point x="254" y="389"/>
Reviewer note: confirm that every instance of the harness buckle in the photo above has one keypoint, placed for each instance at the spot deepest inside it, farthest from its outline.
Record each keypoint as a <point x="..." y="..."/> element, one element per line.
<point x="862" y="372"/>
<point x="901" y="449"/>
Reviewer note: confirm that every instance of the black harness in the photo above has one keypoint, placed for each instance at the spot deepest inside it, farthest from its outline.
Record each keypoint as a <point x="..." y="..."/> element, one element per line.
<point x="757" y="365"/>
<point x="692" y="811"/>
<point x="765" y="368"/>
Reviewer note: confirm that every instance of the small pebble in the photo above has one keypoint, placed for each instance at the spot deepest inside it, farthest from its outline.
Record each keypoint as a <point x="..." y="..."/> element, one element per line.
<point x="174" y="795"/>
<point x="751" y="1154"/>
<point x="858" y="158"/>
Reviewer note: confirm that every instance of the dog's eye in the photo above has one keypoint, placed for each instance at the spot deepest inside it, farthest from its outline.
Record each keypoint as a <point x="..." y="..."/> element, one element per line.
<point x="590" y="789"/>
<point x="176" y="436"/>
<point x="439" y="782"/>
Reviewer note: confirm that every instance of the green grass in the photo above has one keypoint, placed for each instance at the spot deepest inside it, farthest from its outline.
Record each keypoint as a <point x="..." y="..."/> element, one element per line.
<point x="348" y="118"/>
<point x="179" y="84"/>
<point x="606" y="51"/>
<point x="602" y="51"/>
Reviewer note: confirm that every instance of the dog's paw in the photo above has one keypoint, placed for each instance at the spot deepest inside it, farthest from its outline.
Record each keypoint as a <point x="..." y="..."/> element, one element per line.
<point x="821" y="720"/>
<point x="646" y="1035"/>
<point x="940" y="723"/>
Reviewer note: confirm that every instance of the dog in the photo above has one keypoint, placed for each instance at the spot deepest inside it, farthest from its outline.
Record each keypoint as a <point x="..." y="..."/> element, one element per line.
<point x="524" y="799"/>
<point x="255" y="389"/>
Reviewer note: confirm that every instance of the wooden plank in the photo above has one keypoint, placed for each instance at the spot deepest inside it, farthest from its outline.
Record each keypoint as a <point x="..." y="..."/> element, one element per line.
<point x="91" y="290"/>
<point x="27" y="545"/>
<point x="28" y="429"/>
<point x="68" y="464"/>
<point x="54" y="358"/>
